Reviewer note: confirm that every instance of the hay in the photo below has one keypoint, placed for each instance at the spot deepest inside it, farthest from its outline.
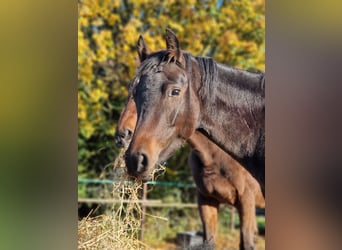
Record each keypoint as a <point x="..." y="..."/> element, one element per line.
<point x="121" y="228"/>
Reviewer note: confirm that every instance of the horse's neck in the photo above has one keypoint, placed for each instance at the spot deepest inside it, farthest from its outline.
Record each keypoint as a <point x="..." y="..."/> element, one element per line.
<point x="211" y="156"/>
<point x="203" y="147"/>
<point x="233" y="115"/>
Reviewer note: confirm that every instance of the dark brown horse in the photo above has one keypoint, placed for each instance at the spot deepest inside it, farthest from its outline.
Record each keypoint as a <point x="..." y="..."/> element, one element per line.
<point x="177" y="94"/>
<point x="218" y="177"/>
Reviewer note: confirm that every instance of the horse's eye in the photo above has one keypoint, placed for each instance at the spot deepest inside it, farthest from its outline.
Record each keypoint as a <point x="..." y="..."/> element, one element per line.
<point x="174" y="92"/>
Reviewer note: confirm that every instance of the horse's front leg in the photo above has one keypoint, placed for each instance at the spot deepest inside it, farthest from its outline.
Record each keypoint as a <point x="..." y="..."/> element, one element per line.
<point x="208" y="209"/>
<point x="248" y="226"/>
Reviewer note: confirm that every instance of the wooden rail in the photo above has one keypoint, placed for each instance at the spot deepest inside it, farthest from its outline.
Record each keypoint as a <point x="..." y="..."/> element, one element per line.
<point x="147" y="203"/>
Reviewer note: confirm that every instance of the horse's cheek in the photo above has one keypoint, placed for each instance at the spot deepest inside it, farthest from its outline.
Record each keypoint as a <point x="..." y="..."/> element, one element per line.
<point x="188" y="127"/>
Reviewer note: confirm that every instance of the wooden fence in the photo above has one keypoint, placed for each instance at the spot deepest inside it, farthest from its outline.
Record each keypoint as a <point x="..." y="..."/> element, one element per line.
<point x="149" y="203"/>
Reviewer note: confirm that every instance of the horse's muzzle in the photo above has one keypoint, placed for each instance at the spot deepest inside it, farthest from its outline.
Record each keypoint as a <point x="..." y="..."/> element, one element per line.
<point x="137" y="164"/>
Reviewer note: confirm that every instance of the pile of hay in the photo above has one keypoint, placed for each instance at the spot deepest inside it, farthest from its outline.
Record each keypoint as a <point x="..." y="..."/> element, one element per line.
<point x="119" y="229"/>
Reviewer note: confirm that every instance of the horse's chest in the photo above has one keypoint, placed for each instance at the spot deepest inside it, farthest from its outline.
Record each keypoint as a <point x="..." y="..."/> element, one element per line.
<point x="213" y="184"/>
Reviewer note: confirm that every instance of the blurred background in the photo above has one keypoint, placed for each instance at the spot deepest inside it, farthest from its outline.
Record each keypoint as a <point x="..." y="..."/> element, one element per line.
<point x="40" y="134"/>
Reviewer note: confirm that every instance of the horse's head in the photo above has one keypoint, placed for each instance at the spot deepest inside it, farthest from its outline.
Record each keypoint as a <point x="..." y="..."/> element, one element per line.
<point x="126" y="125"/>
<point x="167" y="107"/>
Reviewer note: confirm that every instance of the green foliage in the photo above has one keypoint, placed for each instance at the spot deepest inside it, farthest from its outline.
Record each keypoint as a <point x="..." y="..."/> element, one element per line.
<point x="261" y="223"/>
<point x="233" y="33"/>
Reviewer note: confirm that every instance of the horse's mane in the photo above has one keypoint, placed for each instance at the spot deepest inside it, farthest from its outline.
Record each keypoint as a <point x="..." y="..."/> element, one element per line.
<point x="242" y="79"/>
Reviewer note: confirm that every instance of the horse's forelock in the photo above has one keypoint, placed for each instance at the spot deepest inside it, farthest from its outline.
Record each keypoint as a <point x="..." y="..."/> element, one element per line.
<point x="155" y="62"/>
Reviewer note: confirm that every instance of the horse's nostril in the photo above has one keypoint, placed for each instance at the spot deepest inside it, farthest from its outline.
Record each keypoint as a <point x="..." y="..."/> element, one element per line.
<point x="118" y="141"/>
<point x="141" y="162"/>
<point x="123" y="137"/>
<point x="136" y="163"/>
<point x="128" y="134"/>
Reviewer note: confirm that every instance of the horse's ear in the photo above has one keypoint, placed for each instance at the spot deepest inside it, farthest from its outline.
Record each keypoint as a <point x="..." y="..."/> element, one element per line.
<point x="143" y="50"/>
<point x="172" y="46"/>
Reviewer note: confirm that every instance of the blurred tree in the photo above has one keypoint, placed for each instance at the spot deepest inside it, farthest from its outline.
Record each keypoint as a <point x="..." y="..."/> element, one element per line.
<point x="230" y="31"/>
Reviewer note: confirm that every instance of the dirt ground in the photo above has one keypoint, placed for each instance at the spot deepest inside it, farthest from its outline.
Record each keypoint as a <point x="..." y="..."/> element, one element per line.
<point x="225" y="241"/>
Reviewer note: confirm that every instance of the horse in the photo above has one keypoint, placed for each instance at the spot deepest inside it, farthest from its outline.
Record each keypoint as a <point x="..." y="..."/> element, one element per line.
<point x="177" y="94"/>
<point x="218" y="177"/>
